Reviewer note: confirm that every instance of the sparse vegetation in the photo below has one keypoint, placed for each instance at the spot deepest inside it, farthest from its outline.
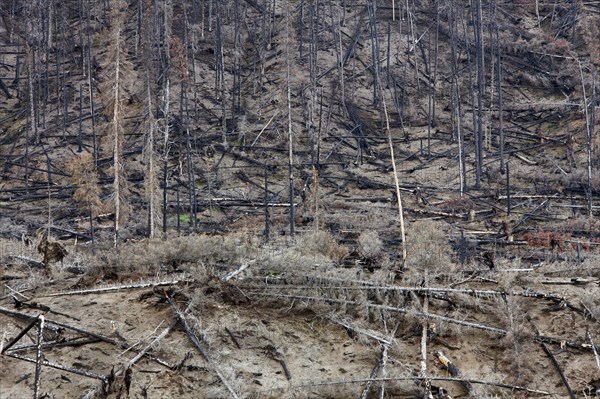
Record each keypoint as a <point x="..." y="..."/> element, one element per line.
<point x="263" y="199"/>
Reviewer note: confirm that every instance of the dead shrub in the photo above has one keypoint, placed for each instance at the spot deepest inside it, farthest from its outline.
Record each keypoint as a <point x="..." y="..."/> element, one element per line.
<point x="428" y="249"/>
<point x="513" y="315"/>
<point x="154" y="256"/>
<point x="370" y="244"/>
<point x="458" y="204"/>
<point x="321" y="243"/>
<point x="8" y="228"/>
<point x="591" y="301"/>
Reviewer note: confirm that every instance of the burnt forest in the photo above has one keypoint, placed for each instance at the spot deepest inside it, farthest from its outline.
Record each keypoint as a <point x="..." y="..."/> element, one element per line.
<point x="299" y="199"/>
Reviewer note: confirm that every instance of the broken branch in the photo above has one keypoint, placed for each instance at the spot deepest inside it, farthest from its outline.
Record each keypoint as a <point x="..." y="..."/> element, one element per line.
<point x="192" y="336"/>
<point x="38" y="358"/>
<point x="559" y="369"/>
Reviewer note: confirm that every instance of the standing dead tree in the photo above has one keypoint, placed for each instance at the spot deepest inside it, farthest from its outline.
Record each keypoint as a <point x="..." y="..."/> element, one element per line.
<point x="289" y="119"/>
<point x="479" y="48"/>
<point x="589" y="136"/>
<point x="119" y="71"/>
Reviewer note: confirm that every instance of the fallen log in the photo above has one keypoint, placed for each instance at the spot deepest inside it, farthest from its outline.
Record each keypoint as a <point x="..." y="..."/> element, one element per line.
<point x="233" y="338"/>
<point x="381" y="366"/>
<point x="19" y="335"/>
<point x="366" y="285"/>
<point x="117" y="288"/>
<point x="125" y="369"/>
<point x="596" y="357"/>
<point x="38" y="358"/>
<point x="272" y="352"/>
<point x="415" y="378"/>
<point x="527" y="161"/>
<point x="242" y="157"/>
<point x="46" y="309"/>
<point x="121" y="344"/>
<point x="30" y="262"/>
<point x="256" y="6"/>
<point x="57" y="366"/>
<point x="71" y="232"/>
<point x="571" y="281"/>
<point x="464" y="323"/>
<point x="559" y="370"/>
<point x="353" y="329"/>
<point x="237" y="271"/>
<point x="15" y="292"/>
<point x="58" y="344"/>
<point x="453" y="370"/>
<point x="374" y="372"/>
<point x="192" y="336"/>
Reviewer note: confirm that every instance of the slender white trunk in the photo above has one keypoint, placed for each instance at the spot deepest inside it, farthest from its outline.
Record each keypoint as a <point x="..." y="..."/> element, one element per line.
<point x="151" y="177"/>
<point x="589" y="141"/>
<point x="396" y="181"/>
<point x="290" y="133"/>
<point x="116" y="144"/>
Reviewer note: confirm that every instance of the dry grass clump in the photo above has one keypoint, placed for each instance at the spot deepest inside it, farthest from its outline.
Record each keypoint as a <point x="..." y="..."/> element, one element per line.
<point x="313" y="251"/>
<point x="370" y="244"/>
<point x="10" y="265"/>
<point x="155" y="256"/>
<point x="428" y="250"/>
<point x="309" y="253"/>
<point x="581" y="224"/>
<point x="8" y="228"/>
<point x="519" y="340"/>
<point x="458" y="204"/>
<point x="591" y="300"/>
<point x="321" y="243"/>
<point x="8" y="248"/>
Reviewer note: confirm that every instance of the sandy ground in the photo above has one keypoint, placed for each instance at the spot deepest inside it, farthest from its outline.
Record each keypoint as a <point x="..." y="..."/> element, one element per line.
<point x="248" y="341"/>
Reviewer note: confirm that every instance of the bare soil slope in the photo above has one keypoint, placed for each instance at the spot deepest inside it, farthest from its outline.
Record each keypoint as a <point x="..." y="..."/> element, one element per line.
<point x="231" y="114"/>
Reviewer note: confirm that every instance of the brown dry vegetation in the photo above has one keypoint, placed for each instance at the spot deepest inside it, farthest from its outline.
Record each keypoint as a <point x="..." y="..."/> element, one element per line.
<point x="501" y="274"/>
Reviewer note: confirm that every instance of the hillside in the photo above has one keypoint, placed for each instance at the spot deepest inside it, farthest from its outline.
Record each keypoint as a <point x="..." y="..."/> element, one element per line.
<point x="300" y="199"/>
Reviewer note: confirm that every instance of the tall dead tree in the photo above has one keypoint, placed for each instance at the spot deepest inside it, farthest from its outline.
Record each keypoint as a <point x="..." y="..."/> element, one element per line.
<point x="166" y="150"/>
<point x="220" y="90"/>
<point x="456" y="99"/>
<point x="388" y="131"/>
<point x="313" y="8"/>
<point x="31" y="78"/>
<point x="34" y="35"/>
<point x="479" y="49"/>
<point x="189" y="164"/>
<point x="498" y="57"/>
<point x="468" y="50"/>
<point x="410" y="16"/>
<point x="118" y="70"/>
<point x="433" y="77"/>
<point x="150" y="178"/>
<point x="372" y="11"/>
<point x="589" y="135"/>
<point x="237" y="68"/>
<point x="163" y="45"/>
<point x="289" y="118"/>
<point x="91" y="81"/>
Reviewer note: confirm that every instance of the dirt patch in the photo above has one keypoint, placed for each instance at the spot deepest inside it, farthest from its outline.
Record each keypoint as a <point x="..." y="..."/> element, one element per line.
<point x="283" y="333"/>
